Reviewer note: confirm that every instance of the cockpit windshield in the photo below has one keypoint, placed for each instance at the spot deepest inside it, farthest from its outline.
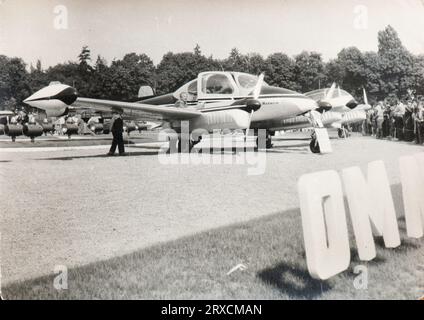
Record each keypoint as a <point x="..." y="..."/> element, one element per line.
<point x="217" y="84"/>
<point x="247" y="81"/>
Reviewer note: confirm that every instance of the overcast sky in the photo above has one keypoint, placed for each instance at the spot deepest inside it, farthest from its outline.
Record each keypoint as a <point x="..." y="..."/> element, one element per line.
<point x="112" y="28"/>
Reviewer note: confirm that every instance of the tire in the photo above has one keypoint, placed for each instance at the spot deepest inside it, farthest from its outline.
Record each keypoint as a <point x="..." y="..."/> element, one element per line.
<point x="181" y="150"/>
<point x="314" y="146"/>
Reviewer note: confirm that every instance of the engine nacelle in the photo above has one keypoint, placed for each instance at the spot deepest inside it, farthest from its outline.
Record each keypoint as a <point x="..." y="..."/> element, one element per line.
<point x="70" y="129"/>
<point x="226" y="119"/>
<point x="48" y="127"/>
<point x="32" y="130"/>
<point x="353" y="117"/>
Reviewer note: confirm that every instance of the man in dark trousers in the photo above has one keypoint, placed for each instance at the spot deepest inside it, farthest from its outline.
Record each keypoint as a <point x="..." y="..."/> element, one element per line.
<point x="117" y="127"/>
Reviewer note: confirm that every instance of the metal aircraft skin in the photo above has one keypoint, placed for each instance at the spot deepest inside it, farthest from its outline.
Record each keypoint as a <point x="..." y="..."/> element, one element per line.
<point x="342" y="110"/>
<point x="216" y="100"/>
<point x="334" y="98"/>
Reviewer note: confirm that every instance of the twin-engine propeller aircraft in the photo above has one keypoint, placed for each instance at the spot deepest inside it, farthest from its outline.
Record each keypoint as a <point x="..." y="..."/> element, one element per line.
<point x="216" y="100"/>
<point x="333" y="98"/>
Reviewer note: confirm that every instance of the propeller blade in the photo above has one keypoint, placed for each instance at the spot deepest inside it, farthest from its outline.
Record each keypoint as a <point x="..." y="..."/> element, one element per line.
<point x="258" y="86"/>
<point x="248" y="125"/>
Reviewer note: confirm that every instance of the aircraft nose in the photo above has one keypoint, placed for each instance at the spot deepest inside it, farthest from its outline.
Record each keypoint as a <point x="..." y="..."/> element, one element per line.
<point x="64" y="93"/>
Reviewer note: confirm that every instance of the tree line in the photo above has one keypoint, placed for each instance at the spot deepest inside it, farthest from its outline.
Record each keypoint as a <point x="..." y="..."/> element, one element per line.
<point x="389" y="72"/>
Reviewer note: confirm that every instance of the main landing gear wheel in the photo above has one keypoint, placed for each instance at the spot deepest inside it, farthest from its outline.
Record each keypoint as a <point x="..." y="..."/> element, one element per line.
<point x="343" y="133"/>
<point x="269" y="144"/>
<point x="268" y="141"/>
<point x="314" y="146"/>
<point x="194" y="142"/>
<point x="181" y="148"/>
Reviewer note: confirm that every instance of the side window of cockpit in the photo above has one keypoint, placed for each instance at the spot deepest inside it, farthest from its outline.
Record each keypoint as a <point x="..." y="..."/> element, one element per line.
<point x="217" y="84"/>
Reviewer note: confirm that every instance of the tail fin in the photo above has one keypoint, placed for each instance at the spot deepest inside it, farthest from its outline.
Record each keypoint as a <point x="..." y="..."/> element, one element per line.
<point x="365" y="96"/>
<point x="330" y="92"/>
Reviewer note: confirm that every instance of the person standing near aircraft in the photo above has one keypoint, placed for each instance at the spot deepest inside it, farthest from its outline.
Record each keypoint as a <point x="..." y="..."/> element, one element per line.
<point x="379" y="118"/>
<point x="408" y="121"/>
<point x="398" y="114"/>
<point x="117" y="127"/>
<point x="419" y="121"/>
<point x="182" y="102"/>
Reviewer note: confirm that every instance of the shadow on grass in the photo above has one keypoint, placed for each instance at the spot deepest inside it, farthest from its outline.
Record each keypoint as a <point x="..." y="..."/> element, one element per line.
<point x="354" y="258"/>
<point x="103" y="155"/>
<point x="270" y="246"/>
<point x="298" y="148"/>
<point x="155" y="151"/>
<point x="294" y="281"/>
<point x="300" y="139"/>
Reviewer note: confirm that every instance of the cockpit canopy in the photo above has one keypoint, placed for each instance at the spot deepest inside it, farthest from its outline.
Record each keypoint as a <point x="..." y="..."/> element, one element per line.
<point x="219" y="84"/>
<point x="320" y="94"/>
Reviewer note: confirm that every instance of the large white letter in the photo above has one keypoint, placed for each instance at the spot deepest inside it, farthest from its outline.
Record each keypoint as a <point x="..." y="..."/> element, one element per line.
<point x="324" y="224"/>
<point x="412" y="177"/>
<point x="371" y="201"/>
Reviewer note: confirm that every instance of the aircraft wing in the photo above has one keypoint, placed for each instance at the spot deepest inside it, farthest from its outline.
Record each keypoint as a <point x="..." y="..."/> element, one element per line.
<point x="148" y="111"/>
<point x="138" y="109"/>
<point x="4" y="113"/>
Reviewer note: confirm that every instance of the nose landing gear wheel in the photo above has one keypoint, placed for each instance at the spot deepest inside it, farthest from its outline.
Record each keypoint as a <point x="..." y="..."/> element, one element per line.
<point x="314" y="145"/>
<point x="343" y="133"/>
<point x="184" y="148"/>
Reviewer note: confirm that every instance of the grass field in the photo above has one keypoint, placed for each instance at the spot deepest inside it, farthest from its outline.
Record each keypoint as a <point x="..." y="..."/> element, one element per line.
<point x="196" y="267"/>
<point x="177" y="237"/>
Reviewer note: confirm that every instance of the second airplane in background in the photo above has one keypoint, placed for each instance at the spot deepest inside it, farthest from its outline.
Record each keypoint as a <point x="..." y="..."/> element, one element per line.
<point x="216" y="100"/>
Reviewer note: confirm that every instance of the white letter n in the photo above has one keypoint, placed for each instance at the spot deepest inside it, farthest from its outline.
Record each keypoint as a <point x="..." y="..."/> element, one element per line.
<point x="412" y="177"/>
<point x="371" y="208"/>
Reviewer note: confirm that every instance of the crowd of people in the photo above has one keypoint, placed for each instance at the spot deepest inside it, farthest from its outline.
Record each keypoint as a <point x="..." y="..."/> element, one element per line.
<point x="401" y="120"/>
